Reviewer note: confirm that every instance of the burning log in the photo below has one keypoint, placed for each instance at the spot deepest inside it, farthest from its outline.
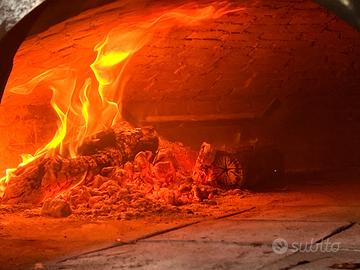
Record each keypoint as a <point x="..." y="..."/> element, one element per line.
<point x="46" y="176"/>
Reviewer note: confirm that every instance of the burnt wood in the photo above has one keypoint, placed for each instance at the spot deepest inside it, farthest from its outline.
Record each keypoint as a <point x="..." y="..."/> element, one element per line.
<point x="47" y="176"/>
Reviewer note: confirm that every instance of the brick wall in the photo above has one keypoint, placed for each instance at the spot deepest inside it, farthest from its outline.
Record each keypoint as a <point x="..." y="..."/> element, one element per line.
<point x="294" y="51"/>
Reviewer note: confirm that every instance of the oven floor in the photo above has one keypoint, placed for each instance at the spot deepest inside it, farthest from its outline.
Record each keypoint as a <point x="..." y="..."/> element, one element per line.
<point x="237" y="234"/>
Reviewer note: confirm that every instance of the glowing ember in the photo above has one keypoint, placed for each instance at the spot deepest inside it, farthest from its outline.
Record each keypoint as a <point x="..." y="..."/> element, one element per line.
<point x="88" y="107"/>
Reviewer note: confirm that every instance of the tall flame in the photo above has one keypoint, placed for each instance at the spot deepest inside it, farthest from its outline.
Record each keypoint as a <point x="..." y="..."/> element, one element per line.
<point x="84" y="109"/>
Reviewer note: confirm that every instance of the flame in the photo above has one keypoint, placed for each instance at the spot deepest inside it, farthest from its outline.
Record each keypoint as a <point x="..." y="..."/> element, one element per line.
<point x="84" y="109"/>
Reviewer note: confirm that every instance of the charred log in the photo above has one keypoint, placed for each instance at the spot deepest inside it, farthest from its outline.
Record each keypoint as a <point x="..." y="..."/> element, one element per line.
<point x="47" y="176"/>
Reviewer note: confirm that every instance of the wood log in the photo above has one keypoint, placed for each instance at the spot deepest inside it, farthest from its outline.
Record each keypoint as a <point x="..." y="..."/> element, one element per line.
<point x="219" y="168"/>
<point x="47" y="176"/>
<point x="250" y="166"/>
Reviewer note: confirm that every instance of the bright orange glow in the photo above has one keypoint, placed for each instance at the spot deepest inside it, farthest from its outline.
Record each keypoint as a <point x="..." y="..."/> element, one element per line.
<point x="85" y="108"/>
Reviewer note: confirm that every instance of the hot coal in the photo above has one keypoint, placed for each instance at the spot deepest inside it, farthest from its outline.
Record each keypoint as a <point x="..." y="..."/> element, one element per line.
<point x="148" y="184"/>
<point x="56" y="208"/>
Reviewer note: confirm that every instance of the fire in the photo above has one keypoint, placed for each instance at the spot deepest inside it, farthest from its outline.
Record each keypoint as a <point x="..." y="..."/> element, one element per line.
<point x="86" y="108"/>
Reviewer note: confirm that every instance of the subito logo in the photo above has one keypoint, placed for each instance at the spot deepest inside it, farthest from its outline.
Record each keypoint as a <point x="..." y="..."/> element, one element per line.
<point x="280" y="246"/>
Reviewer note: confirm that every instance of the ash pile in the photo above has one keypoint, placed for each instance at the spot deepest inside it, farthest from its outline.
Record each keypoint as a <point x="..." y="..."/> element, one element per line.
<point x="129" y="172"/>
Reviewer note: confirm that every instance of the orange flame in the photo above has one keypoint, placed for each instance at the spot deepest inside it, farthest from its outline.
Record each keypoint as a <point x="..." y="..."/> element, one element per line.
<point x="87" y="108"/>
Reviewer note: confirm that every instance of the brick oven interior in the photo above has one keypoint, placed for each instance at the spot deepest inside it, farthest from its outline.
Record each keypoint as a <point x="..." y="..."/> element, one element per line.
<point x="268" y="88"/>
